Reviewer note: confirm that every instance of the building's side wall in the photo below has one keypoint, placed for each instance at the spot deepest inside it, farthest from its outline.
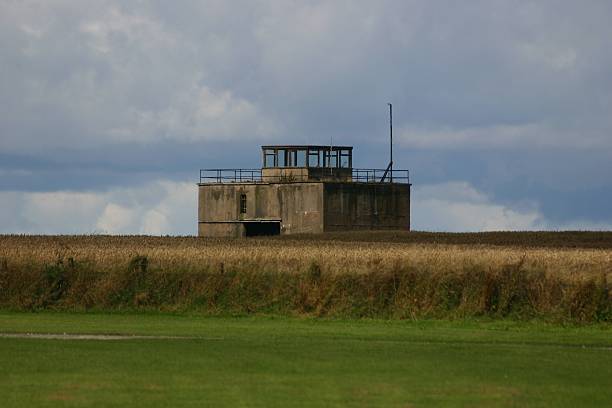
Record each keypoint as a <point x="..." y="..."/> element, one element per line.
<point x="299" y="206"/>
<point x="221" y="230"/>
<point x="361" y="206"/>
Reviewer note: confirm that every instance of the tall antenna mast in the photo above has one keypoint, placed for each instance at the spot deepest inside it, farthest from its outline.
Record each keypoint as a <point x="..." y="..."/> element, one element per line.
<point x="331" y="147"/>
<point x="391" y="141"/>
<point x="389" y="169"/>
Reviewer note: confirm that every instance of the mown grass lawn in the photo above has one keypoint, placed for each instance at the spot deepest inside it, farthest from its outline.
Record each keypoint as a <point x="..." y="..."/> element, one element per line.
<point x="266" y="361"/>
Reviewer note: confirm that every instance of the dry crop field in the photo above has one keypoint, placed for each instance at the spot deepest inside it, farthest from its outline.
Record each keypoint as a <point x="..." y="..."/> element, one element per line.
<point x="554" y="276"/>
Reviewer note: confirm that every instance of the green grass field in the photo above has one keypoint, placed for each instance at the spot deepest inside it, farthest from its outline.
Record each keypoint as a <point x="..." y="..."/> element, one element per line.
<point x="265" y="361"/>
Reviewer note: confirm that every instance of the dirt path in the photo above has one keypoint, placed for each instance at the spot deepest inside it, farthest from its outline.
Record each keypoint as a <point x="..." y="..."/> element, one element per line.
<point x="72" y="336"/>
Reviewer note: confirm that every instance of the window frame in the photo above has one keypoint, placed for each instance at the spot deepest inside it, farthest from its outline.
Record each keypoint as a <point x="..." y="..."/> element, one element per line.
<point x="243" y="203"/>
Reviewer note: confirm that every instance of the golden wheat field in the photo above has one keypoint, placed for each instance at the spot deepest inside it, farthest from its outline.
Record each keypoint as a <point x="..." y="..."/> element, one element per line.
<point x="290" y="256"/>
<point x="307" y="275"/>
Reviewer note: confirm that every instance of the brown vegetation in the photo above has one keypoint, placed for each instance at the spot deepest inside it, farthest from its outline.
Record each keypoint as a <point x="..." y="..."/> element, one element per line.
<point x="317" y="276"/>
<point x="524" y="239"/>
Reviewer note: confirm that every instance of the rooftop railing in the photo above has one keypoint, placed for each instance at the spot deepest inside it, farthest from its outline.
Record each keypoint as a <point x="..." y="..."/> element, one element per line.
<point x="207" y="176"/>
<point x="401" y="176"/>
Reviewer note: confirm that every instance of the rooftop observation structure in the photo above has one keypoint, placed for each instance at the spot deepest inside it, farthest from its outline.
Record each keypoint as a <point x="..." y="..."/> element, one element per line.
<point x="302" y="189"/>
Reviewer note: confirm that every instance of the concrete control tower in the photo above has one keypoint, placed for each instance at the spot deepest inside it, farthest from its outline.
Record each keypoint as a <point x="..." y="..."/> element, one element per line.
<point x="302" y="189"/>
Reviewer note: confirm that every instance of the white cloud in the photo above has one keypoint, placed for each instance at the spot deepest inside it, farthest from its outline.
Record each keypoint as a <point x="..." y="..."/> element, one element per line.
<point x="63" y="211"/>
<point x="174" y="213"/>
<point x="116" y="219"/>
<point x="155" y="223"/>
<point x="160" y="207"/>
<point x="115" y="27"/>
<point x="110" y="73"/>
<point x="457" y="206"/>
<point x="197" y="114"/>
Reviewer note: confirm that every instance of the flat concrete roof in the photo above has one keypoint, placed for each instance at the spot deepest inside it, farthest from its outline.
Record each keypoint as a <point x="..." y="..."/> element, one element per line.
<point x="306" y="147"/>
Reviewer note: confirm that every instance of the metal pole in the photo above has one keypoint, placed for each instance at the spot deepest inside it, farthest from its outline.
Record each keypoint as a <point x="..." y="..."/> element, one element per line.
<point x="331" y="146"/>
<point x="391" y="141"/>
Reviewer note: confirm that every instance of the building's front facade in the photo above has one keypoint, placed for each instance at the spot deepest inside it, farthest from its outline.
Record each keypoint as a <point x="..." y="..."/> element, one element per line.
<point x="301" y="189"/>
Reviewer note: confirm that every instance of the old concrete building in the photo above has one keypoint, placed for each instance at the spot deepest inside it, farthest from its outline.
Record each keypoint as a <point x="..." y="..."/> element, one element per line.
<point x="302" y="189"/>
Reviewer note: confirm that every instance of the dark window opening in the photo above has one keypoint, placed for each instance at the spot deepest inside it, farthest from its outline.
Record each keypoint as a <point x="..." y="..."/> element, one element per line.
<point x="331" y="158"/>
<point x="257" y="229"/>
<point x="243" y="203"/>
<point x="270" y="158"/>
<point x="314" y="159"/>
<point x="346" y="159"/>
<point x="282" y="158"/>
<point x="308" y="156"/>
<point x="300" y="158"/>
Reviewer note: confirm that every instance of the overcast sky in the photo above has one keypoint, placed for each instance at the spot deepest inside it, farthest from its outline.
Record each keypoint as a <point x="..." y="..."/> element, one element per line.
<point x="108" y="109"/>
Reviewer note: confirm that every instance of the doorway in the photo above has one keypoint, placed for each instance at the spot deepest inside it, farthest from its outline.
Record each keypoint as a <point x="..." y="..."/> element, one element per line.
<point x="261" y="228"/>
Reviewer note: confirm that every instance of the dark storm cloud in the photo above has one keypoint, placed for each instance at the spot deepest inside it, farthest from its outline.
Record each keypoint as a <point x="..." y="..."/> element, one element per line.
<point x="512" y="98"/>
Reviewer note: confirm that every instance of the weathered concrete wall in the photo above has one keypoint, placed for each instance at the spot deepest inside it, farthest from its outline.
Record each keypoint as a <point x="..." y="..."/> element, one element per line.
<point x="355" y="206"/>
<point x="288" y="174"/>
<point x="221" y="230"/>
<point x="280" y="174"/>
<point x="299" y="206"/>
<point x="330" y="174"/>
<point x="303" y="207"/>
